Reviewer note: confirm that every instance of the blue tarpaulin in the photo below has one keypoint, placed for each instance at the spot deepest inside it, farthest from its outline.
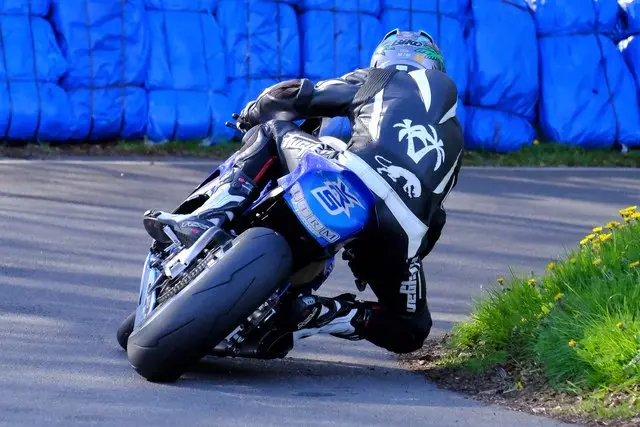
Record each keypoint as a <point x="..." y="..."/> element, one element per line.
<point x="588" y="95"/>
<point x="631" y="54"/>
<point x="106" y="44"/>
<point x="336" y="43"/>
<point x="503" y="76"/>
<point x="262" y="43"/>
<point x="371" y="7"/>
<point x="32" y="104"/>
<point x="186" y="74"/>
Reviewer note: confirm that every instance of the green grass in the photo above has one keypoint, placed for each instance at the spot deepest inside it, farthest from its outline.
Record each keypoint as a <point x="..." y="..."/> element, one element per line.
<point x="579" y="322"/>
<point x="537" y="155"/>
<point x="553" y="154"/>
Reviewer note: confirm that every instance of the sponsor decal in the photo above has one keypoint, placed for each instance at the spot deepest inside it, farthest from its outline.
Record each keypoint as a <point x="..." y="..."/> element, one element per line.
<point x="336" y="198"/>
<point x="307" y="217"/>
<point x="412" y="185"/>
<point x="430" y="141"/>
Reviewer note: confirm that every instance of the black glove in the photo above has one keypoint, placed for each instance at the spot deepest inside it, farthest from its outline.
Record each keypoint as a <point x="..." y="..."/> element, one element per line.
<point x="357" y="266"/>
<point x="243" y="120"/>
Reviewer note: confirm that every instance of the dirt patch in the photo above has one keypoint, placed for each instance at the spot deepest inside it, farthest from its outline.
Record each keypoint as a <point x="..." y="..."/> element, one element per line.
<point x="518" y="388"/>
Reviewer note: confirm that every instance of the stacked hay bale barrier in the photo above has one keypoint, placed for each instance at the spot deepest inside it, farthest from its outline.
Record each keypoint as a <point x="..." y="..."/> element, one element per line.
<point x="503" y="76"/>
<point x="106" y="45"/>
<point x="630" y="45"/>
<point x="338" y="36"/>
<point x="186" y="76"/>
<point x="262" y="43"/>
<point x="32" y="104"/>
<point x="588" y="95"/>
<point x="445" y="21"/>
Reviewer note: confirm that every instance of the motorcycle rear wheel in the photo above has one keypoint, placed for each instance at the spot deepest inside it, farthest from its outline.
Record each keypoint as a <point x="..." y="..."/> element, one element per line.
<point x="187" y="326"/>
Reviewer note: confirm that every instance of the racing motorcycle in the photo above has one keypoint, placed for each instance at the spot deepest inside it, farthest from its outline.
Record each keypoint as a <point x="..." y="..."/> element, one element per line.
<point x="222" y="295"/>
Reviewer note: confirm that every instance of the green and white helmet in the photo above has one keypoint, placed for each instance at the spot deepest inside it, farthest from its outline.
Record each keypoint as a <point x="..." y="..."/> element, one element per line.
<point x="408" y="51"/>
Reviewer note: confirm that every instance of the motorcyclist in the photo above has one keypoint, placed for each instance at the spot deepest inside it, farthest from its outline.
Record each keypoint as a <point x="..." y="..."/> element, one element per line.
<point x="406" y="145"/>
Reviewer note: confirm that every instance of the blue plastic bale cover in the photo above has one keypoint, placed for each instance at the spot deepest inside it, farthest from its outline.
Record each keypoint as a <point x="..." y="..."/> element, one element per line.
<point x="631" y="53"/>
<point x="575" y="106"/>
<point x="504" y="57"/>
<point x="91" y="36"/>
<point x="496" y="131"/>
<point x="336" y="43"/>
<point x="629" y="18"/>
<point x="208" y="6"/>
<point x="371" y="7"/>
<point x="186" y="78"/>
<point x="25" y="7"/>
<point x="117" y="113"/>
<point x="261" y="37"/>
<point x="32" y="105"/>
<point x="576" y="16"/>
<point x="187" y="52"/>
<point x="262" y="43"/>
<point x="446" y="29"/>
<point x="188" y="115"/>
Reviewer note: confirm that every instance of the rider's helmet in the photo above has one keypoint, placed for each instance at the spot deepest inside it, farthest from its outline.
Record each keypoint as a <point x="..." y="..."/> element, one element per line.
<point x="408" y="51"/>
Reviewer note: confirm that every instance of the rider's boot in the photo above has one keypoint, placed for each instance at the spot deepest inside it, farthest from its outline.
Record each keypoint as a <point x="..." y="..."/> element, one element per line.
<point x="233" y="195"/>
<point x="341" y="316"/>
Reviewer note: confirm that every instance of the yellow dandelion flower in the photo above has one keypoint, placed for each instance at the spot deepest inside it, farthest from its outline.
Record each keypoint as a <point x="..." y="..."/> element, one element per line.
<point x="558" y="296"/>
<point x="531" y="281"/>
<point x="605" y="237"/>
<point x="628" y="210"/>
<point x="584" y="242"/>
<point x="635" y="215"/>
<point x="597" y="229"/>
<point x="590" y="236"/>
<point x="536" y="142"/>
<point x="612" y="224"/>
<point x="597" y="262"/>
<point x="572" y="343"/>
<point x="572" y="260"/>
<point x="500" y="280"/>
<point x="551" y="266"/>
<point x="620" y="325"/>
<point x="634" y="264"/>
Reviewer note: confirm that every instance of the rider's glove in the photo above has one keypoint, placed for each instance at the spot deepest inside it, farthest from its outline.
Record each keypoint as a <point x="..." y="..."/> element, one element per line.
<point x="243" y="120"/>
<point x="358" y="267"/>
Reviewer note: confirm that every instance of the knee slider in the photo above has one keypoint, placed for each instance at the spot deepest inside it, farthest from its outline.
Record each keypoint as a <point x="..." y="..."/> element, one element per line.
<point x="396" y="333"/>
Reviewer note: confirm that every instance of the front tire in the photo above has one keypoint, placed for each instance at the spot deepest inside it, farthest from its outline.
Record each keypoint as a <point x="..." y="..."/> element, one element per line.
<point x="125" y="329"/>
<point x="190" y="324"/>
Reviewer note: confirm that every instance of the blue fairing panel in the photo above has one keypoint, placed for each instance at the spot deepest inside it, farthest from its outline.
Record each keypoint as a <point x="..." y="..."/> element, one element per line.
<point x="330" y="201"/>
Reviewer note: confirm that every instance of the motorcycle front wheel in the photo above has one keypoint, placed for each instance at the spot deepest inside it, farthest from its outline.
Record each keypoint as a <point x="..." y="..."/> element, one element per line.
<point x="187" y="326"/>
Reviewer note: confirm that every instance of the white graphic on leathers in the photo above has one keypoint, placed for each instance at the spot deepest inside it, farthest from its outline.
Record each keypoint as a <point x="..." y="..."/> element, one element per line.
<point x="429" y="140"/>
<point x="412" y="185"/>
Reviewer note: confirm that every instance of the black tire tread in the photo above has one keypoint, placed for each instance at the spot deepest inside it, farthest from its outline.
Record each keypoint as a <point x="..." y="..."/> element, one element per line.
<point x="211" y="306"/>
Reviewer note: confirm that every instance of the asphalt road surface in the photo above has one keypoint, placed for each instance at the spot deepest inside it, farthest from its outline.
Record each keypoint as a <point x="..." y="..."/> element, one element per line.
<point x="72" y="246"/>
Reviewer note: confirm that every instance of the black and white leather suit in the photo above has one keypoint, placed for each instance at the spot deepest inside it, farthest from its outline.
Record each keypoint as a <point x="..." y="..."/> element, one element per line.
<point x="406" y="146"/>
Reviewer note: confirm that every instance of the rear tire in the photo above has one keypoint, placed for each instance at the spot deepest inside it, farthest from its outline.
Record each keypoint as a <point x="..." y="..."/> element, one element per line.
<point x="190" y="324"/>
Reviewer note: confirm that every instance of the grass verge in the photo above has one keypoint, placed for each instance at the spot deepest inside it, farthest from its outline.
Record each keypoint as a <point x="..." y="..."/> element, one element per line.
<point x="565" y="344"/>
<point x="537" y="155"/>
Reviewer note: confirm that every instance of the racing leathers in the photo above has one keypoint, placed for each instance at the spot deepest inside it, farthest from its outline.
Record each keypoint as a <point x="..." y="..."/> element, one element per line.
<point x="406" y="145"/>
